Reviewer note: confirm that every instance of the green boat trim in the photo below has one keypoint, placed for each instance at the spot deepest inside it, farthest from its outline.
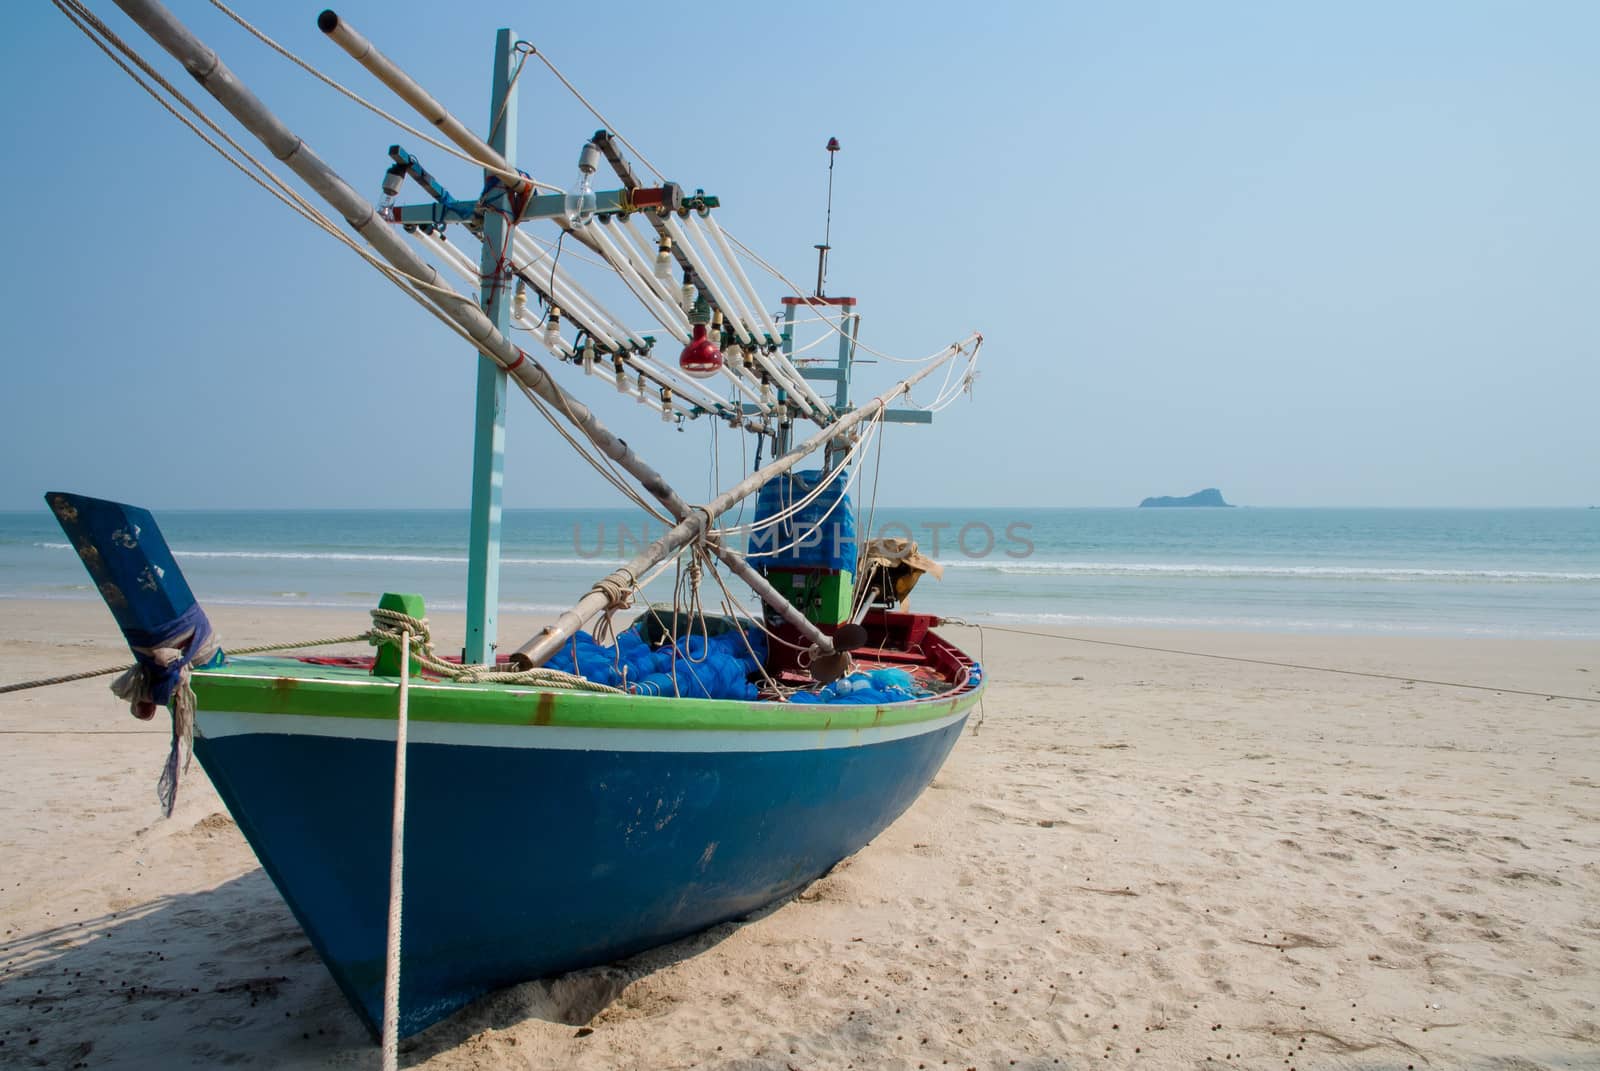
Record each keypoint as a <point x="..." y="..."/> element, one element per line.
<point x="287" y="686"/>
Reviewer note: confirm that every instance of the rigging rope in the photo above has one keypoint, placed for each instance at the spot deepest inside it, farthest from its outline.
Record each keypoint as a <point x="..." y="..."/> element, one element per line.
<point x="1270" y="662"/>
<point x="410" y="285"/>
<point x="388" y="626"/>
<point x="525" y="48"/>
<point x="81" y="17"/>
<point x="596" y="113"/>
<point x="832" y="325"/>
<point x="260" y="35"/>
<point x="867" y="435"/>
<point x="779" y="365"/>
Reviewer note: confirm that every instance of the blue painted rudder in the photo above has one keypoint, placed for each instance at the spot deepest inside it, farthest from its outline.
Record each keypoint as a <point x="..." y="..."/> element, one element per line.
<point x="128" y="559"/>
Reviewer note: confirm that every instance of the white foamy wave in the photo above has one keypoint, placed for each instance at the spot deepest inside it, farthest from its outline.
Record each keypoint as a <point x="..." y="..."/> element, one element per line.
<point x="1280" y="624"/>
<point x="345" y="556"/>
<point x="1269" y="572"/>
<point x="996" y="564"/>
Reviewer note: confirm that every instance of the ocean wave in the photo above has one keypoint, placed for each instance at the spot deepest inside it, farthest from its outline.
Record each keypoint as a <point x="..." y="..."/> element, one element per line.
<point x="1269" y="572"/>
<point x="346" y="556"/>
<point x="1283" y="624"/>
<point x="993" y="564"/>
<point x="302" y="601"/>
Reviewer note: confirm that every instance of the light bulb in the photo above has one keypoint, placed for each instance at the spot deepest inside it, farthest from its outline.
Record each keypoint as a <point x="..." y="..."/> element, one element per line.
<point x="686" y="295"/>
<point x="664" y="261"/>
<point x="666" y="406"/>
<point x="519" y="300"/>
<point x="392" y="181"/>
<point x="700" y="358"/>
<point x="733" y="357"/>
<point x="644" y="390"/>
<point x="622" y="377"/>
<point x="581" y="201"/>
<point x="552" y="329"/>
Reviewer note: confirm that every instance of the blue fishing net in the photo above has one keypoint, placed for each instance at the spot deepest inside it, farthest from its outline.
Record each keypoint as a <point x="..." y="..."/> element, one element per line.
<point x="695" y="667"/>
<point x="874" y="687"/>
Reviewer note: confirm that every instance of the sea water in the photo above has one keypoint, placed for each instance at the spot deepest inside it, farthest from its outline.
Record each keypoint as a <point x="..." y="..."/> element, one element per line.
<point x="1477" y="572"/>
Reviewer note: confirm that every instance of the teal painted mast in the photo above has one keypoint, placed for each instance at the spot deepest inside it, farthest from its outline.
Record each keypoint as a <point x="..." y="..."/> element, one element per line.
<point x="489" y="428"/>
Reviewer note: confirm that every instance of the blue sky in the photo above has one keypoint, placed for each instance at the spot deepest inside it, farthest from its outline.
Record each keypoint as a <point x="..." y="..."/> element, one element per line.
<point x="1335" y="255"/>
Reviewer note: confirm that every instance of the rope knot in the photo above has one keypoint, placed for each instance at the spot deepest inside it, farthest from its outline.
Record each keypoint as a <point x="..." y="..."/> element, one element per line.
<point x="389" y="625"/>
<point x="618" y="590"/>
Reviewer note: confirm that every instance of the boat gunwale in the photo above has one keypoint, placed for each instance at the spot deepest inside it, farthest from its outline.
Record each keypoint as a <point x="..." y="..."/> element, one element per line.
<point x="485" y="703"/>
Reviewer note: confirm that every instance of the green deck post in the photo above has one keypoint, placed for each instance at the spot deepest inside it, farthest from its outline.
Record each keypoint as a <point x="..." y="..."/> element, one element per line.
<point x="387" y="662"/>
<point x="489" y="429"/>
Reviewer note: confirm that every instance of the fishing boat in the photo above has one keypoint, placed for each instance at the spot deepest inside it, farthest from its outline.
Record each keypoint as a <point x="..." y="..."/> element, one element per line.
<point x="442" y="827"/>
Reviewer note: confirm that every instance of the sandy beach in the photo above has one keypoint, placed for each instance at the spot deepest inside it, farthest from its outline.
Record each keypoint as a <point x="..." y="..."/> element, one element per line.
<point x="1136" y="859"/>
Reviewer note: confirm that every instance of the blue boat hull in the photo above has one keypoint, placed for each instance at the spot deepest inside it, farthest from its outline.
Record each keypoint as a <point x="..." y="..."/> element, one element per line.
<point x="524" y="861"/>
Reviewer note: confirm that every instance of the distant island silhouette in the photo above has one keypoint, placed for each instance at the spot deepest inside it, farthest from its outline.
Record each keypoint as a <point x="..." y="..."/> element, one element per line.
<point x="1209" y="497"/>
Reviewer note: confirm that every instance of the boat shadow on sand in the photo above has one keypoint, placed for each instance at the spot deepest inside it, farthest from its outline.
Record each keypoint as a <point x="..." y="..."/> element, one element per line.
<point x="226" y="976"/>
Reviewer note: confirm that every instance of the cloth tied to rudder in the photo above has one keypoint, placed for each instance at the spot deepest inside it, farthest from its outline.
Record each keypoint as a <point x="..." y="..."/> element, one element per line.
<point x="163" y="660"/>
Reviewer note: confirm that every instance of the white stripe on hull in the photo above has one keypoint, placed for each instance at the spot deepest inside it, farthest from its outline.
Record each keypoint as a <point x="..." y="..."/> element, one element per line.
<point x="216" y="724"/>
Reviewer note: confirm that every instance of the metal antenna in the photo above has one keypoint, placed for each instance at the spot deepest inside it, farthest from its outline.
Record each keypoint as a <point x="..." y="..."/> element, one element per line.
<point x="827" y="230"/>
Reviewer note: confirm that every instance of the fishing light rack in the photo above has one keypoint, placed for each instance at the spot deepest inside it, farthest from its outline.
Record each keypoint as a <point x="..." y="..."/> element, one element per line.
<point x="744" y="341"/>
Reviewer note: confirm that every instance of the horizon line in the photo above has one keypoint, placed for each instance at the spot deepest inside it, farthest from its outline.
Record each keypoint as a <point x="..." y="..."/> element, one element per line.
<point x="898" y="506"/>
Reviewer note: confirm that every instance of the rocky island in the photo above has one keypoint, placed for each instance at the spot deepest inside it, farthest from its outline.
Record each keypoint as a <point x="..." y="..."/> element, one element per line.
<point x="1209" y="497"/>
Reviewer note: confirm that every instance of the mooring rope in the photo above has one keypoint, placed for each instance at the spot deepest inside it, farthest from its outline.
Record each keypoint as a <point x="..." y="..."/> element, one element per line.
<point x="1270" y="662"/>
<point x="359" y="637"/>
<point x="388" y="626"/>
<point x="392" y="626"/>
<point x="397" y="845"/>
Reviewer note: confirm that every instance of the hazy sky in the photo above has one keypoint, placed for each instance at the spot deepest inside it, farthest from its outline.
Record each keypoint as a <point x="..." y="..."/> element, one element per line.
<point x="1342" y="254"/>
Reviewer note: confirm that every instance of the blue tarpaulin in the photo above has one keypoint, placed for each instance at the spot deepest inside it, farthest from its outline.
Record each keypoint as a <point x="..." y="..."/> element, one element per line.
<point x="821" y="535"/>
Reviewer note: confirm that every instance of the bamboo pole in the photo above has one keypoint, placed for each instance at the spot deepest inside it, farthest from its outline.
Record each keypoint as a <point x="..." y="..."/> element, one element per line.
<point x="218" y="80"/>
<point x="542" y="646"/>
<point x="389" y="73"/>
<point x="409" y="90"/>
